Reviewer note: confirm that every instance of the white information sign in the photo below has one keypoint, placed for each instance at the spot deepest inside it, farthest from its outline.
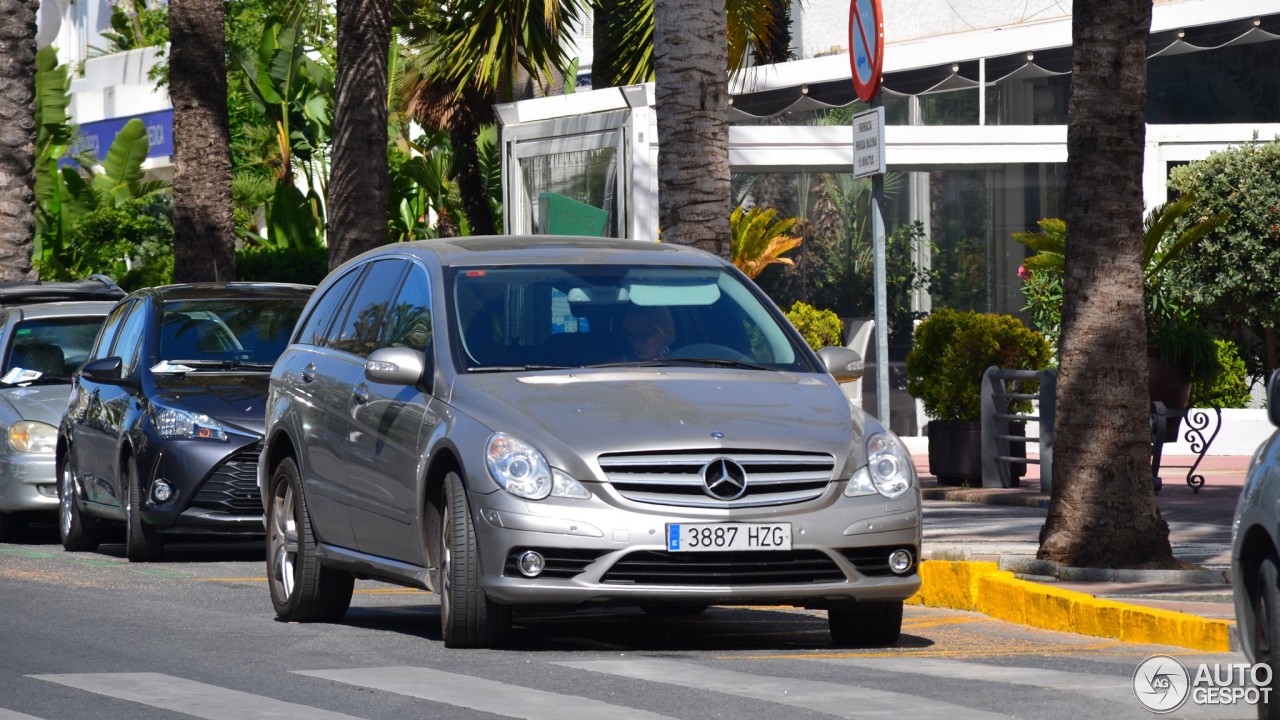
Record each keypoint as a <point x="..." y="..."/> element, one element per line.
<point x="868" y="143"/>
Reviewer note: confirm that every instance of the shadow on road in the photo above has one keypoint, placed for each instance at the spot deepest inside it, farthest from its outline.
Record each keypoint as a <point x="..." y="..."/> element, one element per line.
<point x="719" y="629"/>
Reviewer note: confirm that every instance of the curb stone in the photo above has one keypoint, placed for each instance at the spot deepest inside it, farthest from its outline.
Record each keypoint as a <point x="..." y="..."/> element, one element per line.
<point x="984" y="587"/>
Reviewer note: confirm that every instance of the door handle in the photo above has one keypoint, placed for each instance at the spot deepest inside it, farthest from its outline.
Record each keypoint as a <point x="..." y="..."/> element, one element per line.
<point x="361" y="393"/>
<point x="308" y="373"/>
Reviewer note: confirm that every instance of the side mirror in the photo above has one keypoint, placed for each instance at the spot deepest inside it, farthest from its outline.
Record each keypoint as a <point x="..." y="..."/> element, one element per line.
<point x="845" y="365"/>
<point x="106" y="370"/>
<point x="1273" y="398"/>
<point x="396" y="366"/>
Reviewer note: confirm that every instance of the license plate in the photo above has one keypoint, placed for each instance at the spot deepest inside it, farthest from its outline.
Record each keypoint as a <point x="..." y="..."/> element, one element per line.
<point x="707" y="537"/>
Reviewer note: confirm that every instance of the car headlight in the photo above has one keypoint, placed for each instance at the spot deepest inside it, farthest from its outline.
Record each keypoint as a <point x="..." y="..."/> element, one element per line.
<point x="889" y="470"/>
<point x="174" y="423"/>
<point x="29" y="436"/>
<point x="522" y="471"/>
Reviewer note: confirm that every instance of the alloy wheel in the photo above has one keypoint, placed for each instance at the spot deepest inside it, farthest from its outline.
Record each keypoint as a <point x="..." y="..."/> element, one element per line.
<point x="67" y="505"/>
<point x="284" y="541"/>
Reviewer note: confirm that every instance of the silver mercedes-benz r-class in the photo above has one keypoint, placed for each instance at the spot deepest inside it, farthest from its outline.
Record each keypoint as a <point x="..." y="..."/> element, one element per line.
<point x="515" y="422"/>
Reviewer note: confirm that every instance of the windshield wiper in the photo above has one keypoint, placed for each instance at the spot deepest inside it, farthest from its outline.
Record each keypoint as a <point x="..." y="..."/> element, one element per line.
<point x="720" y="362"/>
<point x="181" y="366"/>
<point x="516" y="368"/>
<point x="631" y="363"/>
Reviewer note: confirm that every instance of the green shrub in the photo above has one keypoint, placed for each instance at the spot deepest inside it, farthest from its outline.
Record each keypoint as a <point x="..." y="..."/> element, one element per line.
<point x="1231" y="387"/>
<point x="953" y="349"/>
<point x="820" y="328"/>
<point x="305" y="265"/>
<point x="132" y="243"/>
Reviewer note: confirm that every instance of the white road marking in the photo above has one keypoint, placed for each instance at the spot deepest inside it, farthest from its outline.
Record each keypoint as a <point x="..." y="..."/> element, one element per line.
<point x="846" y="701"/>
<point x="481" y="694"/>
<point x="190" y="697"/>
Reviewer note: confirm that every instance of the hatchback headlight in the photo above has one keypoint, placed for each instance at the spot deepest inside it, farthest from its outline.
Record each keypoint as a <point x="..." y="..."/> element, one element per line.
<point x="29" y="436"/>
<point x="174" y="423"/>
<point x="522" y="471"/>
<point x="889" y="470"/>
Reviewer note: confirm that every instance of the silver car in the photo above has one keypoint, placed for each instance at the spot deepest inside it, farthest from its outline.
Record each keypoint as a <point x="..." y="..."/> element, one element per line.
<point x="1255" y="554"/>
<point x="42" y="345"/>
<point x="516" y="422"/>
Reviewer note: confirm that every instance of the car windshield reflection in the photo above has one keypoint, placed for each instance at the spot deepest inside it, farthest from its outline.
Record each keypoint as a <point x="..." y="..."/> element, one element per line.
<point x="569" y="316"/>
<point x="225" y="333"/>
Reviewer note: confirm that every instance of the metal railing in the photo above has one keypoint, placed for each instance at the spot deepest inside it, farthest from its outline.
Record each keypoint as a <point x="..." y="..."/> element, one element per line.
<point x="997" y="454"/>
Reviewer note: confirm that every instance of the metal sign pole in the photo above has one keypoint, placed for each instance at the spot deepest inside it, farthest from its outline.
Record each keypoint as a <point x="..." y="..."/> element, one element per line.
<point x="880" y="281"/>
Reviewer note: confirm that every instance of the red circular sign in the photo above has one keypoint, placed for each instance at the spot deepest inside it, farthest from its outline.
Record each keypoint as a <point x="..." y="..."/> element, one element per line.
<point x="866" y="46"/>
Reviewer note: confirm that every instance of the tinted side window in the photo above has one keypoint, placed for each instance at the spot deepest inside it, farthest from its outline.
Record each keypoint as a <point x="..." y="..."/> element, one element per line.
<point x="106" y="338"/>
<point x="408" y="323"/>
<point x="362" y="329"/>
<point x="129" y="342"/>
<point x="312" y="332"/>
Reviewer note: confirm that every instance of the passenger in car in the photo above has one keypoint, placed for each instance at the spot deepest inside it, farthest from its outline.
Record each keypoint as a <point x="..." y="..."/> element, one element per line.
<point x="649" y="331"/>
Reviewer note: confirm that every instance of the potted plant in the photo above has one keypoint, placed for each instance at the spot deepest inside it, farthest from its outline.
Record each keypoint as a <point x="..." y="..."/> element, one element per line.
<point x="952" y="350"/>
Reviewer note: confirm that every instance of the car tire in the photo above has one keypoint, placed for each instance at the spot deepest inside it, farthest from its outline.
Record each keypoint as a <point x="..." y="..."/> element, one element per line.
<point x="79" y="533"/>
<point x="675" y="609"/>
<point x="302" y="590"/>
<point x="1266" y="630"/>
<point x="141" y="541"/>
<point x="468" y="618"/>
<point x="866" y="624"/>
<point x="13" y="528"/>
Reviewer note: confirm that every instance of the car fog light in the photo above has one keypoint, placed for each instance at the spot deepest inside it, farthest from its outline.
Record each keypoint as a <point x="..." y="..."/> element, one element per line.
<point x="900" y="561"/>
<point x="161" y="491"/>
<point x="531" y="563"/>
<point x="49" y="490"/>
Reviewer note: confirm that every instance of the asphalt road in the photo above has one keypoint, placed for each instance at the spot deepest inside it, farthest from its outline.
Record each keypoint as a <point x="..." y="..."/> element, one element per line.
<point x="88" y="635"/>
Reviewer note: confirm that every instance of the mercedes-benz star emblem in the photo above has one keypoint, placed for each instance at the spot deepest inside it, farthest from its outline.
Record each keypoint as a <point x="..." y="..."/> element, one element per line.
<point x="724" y="479"/>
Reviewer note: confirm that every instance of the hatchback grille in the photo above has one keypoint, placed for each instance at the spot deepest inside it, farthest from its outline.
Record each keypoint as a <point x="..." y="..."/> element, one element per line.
<point x="675" y="478"/>
<point x="655" y="567"/>
<point x="560" y="562"/>
<point x="233" y="486"/>
<point x="874" y="561"/>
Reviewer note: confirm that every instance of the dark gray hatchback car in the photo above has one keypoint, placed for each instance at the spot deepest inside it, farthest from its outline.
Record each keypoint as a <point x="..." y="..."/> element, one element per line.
<point x="516" y="422"/>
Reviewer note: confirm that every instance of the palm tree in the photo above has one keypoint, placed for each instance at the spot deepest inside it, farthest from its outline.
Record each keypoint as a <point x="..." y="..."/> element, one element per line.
<point x="359" y="184"/>
<point x="690" y="58"/>
<point x="1102" y="511"/>
<point x="203" y="211"/>
<point x="17" y="136"/>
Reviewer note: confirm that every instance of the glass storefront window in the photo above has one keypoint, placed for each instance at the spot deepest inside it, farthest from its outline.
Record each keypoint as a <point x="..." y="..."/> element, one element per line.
<point x="588" y="176"/>
<point x="1234" y="84"/>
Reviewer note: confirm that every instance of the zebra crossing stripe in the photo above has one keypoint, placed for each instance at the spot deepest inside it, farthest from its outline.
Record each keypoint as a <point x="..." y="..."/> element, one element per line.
<point x="13" y="715"/>
<point x="190" y="697"/>
<point x="846" y="701"/>
<point x="480" y="694"/>
<point x="1111" y="688"/>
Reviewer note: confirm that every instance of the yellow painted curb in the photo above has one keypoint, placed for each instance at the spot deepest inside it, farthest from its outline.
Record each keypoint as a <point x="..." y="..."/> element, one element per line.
<point x="985" y="588"/>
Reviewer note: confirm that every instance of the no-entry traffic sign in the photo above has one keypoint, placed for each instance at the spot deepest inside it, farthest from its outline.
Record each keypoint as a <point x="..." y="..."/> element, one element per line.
<point x="866" y="46"/>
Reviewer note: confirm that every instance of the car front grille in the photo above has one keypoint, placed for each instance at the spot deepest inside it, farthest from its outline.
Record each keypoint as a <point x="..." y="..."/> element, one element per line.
<point x="233" y="486"/>
<point x="655" y="567"/>
<point x="675" y="478"/>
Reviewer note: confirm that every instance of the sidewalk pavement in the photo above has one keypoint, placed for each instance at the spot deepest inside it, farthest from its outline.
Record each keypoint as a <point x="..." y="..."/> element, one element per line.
<point x="972" y="534"/>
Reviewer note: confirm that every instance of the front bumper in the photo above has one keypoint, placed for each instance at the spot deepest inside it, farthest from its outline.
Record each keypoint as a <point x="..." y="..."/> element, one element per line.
<point x="215" y="487"/>
<point x="610" y="550"/>
<point x="28" y="482"/>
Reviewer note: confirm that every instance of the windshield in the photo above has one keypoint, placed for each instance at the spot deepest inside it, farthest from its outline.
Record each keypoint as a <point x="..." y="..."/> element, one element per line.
<point x="227" y="331"/>
<point x="52" y="347"/>
<point x="554" y="316"/>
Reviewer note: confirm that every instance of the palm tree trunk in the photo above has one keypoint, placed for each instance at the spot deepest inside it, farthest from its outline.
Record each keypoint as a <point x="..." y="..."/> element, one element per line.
<point x="1103" y="512"/>
<point x="690" y="58"/>
<point x="203" y="211"/>
<point x="359" y="185"/>
<point x="17" y="137"/>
